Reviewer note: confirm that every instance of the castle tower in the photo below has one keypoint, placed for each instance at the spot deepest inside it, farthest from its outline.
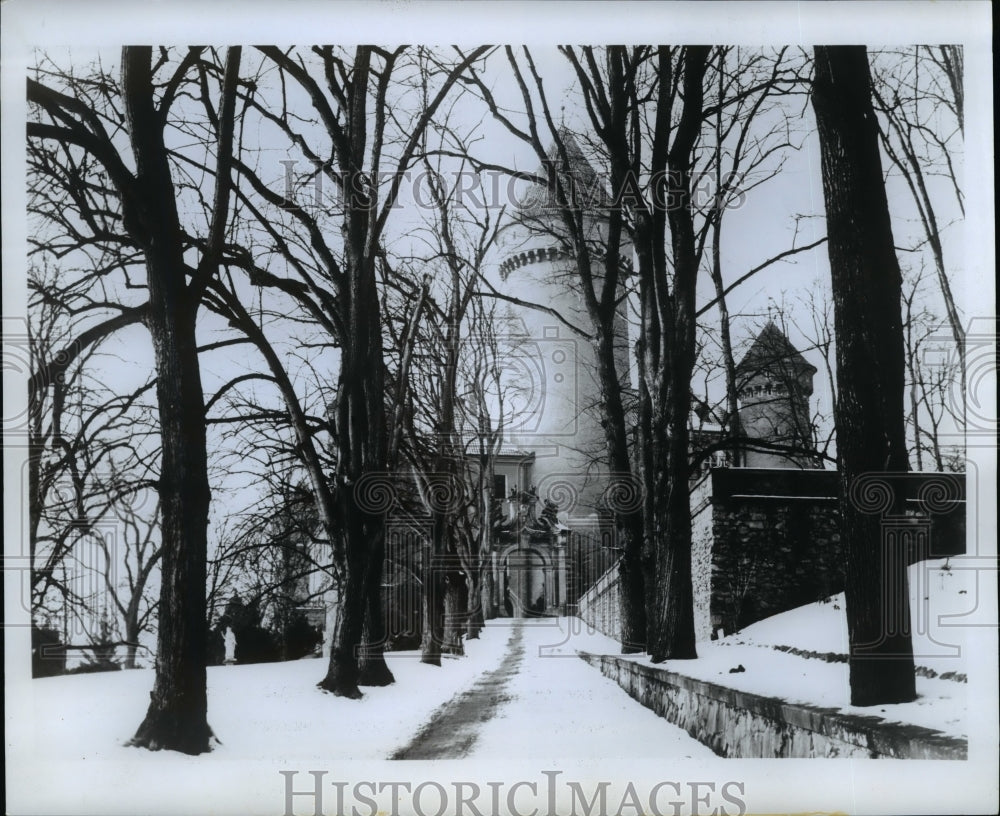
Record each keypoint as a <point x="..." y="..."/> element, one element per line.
<point x="774" y="383"/>
<point x="556" y="384"/>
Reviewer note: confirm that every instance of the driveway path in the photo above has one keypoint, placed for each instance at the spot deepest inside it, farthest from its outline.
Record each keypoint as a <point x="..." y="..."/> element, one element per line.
<point x="544" y="702"/>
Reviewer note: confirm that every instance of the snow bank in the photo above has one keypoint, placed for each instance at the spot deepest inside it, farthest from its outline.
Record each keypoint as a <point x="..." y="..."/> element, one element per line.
<point x="936" y="591"/>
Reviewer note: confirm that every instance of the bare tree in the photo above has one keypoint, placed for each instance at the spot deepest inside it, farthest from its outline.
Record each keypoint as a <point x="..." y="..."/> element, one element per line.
<point x="641" y="123"/>
<point x="597" y="252"/>
<point x="439" y="428"/>
<point x="76" y="426"/>
<point x="337" y="283"/>
<point x="139" y="557"/>
<point x="931" y="378"/>
<point x="918" y="95"/>
<point x="91" y="460"/>
<point x="666" y="349"/>
<point x="750" y="139"/>
<point x="73" y="116"/>
<point x="483" y="405"/>
<point x="870" y="370"/>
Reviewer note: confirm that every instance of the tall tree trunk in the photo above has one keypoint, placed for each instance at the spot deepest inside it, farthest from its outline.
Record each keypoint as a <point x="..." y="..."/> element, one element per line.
<point x="343" y="673"/>
<point x="362" y="445"/>
<point x="632" y="581"/>
<point x="474" y="617"/>
<point x="870" y="371"/>
<point x="487" y="593"/>
<point x="671" y="332"/>
<point x="350" y="511"/>
<point x="432" y="606"/>
<point x="624" y="491"/>
<point x="441" y="606"/>
<point x="628" y="515"/>
<point x="435" y="574"/>
<point x="361" y="442"/>
<point x="374" y="671"/>
<point x="455" y="605"/>
<point x="177" y="714"/>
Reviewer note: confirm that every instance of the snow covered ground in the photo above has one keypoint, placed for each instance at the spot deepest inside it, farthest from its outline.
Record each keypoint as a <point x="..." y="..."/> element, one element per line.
<point x="274" y="710"/>
<point x="265" y="710"/>
<point x="66" y="752"/>
<point x="800" y="655"/>
<point x="568" y="710"/>
<point x="271" y="717"/>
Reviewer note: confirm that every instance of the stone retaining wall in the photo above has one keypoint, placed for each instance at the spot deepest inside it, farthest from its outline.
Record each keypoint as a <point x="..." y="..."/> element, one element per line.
<point x="745" y="725"/>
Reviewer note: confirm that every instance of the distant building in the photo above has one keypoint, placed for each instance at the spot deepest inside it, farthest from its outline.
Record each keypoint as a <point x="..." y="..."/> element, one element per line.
<point x="555" y="450"/>
<point x="554" y="538"/>
<point x="774" y="383"/>
<point x="558" y="414"/>
<point x="765" y="534"/>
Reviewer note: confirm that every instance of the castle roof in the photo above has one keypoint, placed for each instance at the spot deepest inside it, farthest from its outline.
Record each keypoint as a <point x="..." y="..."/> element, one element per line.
<point x="772" y="350"/>
<point x="591" y="191"/>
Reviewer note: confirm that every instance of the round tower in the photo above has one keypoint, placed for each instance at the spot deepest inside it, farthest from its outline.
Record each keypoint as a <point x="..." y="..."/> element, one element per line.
<point x="556" y="389"/>
<point x="774" y="383"/>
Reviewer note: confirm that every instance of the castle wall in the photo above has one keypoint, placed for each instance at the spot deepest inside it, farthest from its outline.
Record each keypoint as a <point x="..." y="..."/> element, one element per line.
<point x="772" y="554"/>
<point x="776" y="538"/>
<point x="600" y="608"/>
<point x="768" y="540"/>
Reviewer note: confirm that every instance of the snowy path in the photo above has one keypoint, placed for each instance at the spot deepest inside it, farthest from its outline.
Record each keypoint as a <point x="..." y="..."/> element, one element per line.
<point x="544" y="702"/>
<point x="453" y="729"/>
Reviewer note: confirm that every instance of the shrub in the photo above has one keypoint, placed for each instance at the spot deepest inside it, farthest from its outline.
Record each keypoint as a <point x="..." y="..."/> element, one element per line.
<point x="300" y="637"/>
<point x="97" y="664"/>
<point x="254" y="644"/>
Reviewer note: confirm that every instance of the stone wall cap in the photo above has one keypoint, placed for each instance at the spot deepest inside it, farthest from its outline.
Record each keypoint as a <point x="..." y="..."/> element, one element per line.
<point x="893" y="739"/>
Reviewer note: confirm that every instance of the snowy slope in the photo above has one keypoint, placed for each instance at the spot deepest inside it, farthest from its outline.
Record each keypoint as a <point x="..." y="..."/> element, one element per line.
<point x="937" y="591"/>
<point x="800" y="655"/>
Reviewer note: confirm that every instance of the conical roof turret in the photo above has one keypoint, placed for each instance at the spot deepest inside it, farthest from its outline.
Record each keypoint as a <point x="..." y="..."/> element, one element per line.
<point x="772" y="351"/>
